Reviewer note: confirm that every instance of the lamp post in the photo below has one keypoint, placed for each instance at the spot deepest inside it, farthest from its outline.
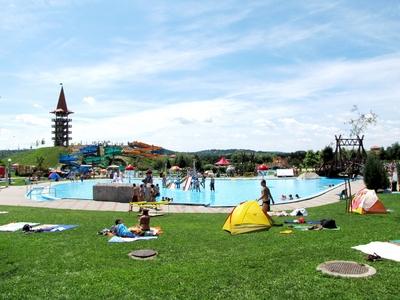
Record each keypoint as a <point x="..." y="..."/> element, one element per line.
<point x="9" y="171"/>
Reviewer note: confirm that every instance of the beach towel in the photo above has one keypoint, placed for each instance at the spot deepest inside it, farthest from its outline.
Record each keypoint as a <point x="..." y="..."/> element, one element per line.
<point x="15" y="226"/>
<point x="278" y="213"/>
<point x="52" y="227"/>
<point x="297" y="222"/>
<point x="44" y="227"/>
<point x="383" y="249"/>
<point x="63" y="227"/>
<point x="118" y="239"/>
<point x="311" y="228"/>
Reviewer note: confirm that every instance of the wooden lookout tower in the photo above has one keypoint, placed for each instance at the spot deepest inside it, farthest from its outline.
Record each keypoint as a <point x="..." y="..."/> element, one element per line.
<point x="61" y="126"/>
<point x="348" y="158"/>
<point x="350" y="162"/>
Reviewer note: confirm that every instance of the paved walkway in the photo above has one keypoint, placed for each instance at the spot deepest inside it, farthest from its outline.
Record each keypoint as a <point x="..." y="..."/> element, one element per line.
<point x="15" y="196"/>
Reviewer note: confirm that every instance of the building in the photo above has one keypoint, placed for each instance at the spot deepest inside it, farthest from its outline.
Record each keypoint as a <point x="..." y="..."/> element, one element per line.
<point x="375" y="149"/>
<point x="62" y="122"/>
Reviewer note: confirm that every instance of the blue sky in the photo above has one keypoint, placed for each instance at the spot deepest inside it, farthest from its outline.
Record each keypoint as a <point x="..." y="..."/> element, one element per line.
<point x="192" y="75"/>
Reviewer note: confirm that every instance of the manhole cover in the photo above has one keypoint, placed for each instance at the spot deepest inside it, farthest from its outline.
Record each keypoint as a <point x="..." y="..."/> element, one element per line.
<point x="143" y="254"/>
<point x="350" y="269"/>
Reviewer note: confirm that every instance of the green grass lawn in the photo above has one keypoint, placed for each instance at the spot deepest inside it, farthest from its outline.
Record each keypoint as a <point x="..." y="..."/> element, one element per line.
<point x="197" y="260"/>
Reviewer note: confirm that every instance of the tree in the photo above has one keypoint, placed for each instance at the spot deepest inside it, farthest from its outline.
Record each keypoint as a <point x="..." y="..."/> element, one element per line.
<point x="39" y="162"/>
<point x="361" y="122"/>
<point x="375" y="175"/>
<point x="312" y="159"/>
<point x="327" y="154"/>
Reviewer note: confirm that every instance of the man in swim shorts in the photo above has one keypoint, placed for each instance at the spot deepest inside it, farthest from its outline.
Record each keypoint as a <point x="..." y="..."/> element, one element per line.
<point x="266" y="197"/>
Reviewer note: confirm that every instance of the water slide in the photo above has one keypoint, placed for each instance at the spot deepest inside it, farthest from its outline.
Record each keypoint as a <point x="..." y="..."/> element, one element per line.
<point x="187" y="183"/>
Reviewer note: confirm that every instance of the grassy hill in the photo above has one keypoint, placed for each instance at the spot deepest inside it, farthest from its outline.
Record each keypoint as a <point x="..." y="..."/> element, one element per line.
<point x="29" y="157"/>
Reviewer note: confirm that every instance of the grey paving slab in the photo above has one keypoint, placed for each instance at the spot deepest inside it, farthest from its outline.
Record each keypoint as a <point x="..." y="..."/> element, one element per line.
<point x="16" y="196"/>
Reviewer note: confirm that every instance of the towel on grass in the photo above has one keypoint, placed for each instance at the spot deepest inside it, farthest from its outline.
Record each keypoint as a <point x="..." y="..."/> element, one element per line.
<point x="297" y="222"/>
<point x="53" y="227"/>
<point x="383" y="249"/>
<point x="118" y="239"/>
<point x="310" y="228"/>
<point x="15" y="226"/>
<point x="63" y="227"/>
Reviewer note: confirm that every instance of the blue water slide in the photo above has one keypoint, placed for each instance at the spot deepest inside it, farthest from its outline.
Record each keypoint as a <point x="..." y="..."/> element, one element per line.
<point x="67" y="159"/>
<point x="89" y="150"/>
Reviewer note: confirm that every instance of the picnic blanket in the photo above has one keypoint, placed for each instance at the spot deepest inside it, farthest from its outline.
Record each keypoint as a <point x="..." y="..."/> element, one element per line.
<point x="383" y="249"/>
<point x="53" y="227"/>
<point x="15" y="226"/>
<point x="118" y="239"/>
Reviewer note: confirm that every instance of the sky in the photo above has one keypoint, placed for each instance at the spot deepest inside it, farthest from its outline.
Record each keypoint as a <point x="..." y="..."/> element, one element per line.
<point x="194" y="75"/>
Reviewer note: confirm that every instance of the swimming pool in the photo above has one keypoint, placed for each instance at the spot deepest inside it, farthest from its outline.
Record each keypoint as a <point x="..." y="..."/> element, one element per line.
<point x="228" y="192"/>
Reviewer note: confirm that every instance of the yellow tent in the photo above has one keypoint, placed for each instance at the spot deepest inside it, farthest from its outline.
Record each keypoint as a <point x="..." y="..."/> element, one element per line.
<point x="247" y="217"/>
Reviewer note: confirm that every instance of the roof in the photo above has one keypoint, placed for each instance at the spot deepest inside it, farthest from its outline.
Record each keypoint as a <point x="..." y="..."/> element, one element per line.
<point x="222" y="162"/>
<point x="62" y="104"/>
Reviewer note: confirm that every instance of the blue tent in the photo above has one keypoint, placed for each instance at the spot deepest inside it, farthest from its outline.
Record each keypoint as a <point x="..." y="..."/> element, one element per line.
<point x="54" y="176"/>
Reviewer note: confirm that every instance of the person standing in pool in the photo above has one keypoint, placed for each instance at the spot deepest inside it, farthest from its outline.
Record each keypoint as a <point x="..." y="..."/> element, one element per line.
<point x="212" y="184"/>
<point x="266" y="197"/>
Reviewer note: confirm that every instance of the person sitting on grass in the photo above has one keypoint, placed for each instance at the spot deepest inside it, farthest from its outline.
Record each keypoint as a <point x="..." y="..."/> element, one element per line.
<point x="121" y="230"/>
<point x="144" y="221"/>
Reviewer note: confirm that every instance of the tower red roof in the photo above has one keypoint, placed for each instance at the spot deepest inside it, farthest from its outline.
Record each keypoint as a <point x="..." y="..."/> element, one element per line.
<point x="62" y="104"/>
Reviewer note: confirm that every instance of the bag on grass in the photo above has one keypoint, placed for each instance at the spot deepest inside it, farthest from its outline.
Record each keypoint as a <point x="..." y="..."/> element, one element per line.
<point x="27" y="228"/>
<point x="328" y="223"/>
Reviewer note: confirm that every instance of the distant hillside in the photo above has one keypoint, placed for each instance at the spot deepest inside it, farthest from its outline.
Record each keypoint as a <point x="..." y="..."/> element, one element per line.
<point x="227" y="152"/>
<point x="28" y="157"/>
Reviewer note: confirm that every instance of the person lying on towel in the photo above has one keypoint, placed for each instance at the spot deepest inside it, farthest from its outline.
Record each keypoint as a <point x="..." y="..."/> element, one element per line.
<point x="121" y="230"/>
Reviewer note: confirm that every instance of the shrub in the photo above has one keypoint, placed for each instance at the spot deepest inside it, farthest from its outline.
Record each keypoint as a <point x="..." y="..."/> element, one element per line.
<point x="375" y="175"/>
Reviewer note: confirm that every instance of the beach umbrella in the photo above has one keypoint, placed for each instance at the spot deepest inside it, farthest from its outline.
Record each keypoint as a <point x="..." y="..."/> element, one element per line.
<point x="113" y="167"/>
<point x="175" y="168"/>
<point x="129" y="168"/>
<point x="262" y="167"/>
<point x="222" y="162"/>
<point x="230" y="168"/>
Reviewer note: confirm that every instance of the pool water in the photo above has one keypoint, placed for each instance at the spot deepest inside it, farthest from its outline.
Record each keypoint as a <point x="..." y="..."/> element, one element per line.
<point x="228" y="192"/>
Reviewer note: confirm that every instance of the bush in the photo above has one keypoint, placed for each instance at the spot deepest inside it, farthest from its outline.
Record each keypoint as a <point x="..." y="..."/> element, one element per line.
<point x="375" y="175"/>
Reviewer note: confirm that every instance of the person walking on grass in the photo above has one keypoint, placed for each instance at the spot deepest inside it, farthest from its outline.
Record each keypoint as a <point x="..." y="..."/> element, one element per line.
<point x="266" y="197"/>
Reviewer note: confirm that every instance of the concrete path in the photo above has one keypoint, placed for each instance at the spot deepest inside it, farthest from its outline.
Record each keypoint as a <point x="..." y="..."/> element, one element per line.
<point x="15" y="196"/>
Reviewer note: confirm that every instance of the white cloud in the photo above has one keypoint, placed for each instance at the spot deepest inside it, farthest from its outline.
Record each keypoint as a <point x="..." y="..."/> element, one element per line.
<point x="89" y="100"/>
<point x="30" y="119"/>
